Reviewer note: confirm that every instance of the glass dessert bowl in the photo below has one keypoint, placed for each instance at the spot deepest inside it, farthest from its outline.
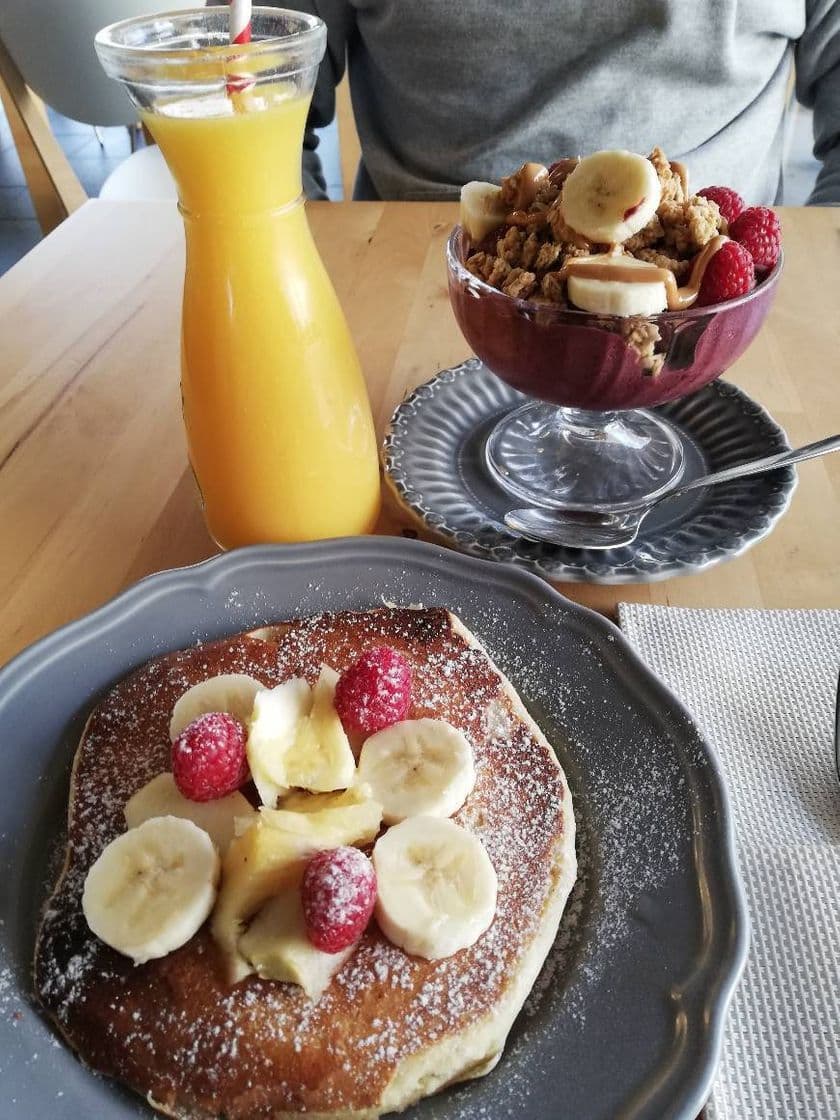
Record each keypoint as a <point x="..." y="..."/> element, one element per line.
<point x="588" y="440"/>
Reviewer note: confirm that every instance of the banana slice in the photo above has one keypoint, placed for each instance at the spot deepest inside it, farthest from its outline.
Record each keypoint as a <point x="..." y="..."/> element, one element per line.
<point x="322" y="760"/>
<point x="229" y="692"/>
<point x="481" y="209"/>
<point x="271" y="855"/>
<point x="277" y="716"/>
<point x="436" y="887"/>
<point x="277" y="946"/>
<point x="616" y="297"/>
<point x="416" y="767"/>
<point x="296" y="739"/>
<point x="152" y="888"/>
<point x="610" y="196"/>
<point x="299" y="801"/>
<point x="161" y="798"/>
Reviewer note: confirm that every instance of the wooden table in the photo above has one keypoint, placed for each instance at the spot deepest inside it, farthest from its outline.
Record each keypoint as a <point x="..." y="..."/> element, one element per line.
<point x="94" y="487"/>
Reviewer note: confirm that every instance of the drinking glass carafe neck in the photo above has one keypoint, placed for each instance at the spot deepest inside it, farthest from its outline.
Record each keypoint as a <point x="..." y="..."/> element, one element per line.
<point x="229" y="118"/>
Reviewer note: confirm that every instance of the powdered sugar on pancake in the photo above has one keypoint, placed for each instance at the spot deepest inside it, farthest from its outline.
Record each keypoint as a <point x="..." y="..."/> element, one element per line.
<point x="173" y="1029"/>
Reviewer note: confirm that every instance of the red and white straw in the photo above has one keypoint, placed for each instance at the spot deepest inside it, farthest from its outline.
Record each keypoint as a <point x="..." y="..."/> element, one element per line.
<point x="240" y="21"/>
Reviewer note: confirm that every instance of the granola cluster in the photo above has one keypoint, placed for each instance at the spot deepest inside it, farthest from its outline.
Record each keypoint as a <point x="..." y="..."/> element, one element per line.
<point x="524" y="257"/>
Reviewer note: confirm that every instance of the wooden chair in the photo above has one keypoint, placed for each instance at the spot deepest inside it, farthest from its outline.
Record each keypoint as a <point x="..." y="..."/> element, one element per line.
<point x="55" y="190"/>
<point x="47" y="56"/>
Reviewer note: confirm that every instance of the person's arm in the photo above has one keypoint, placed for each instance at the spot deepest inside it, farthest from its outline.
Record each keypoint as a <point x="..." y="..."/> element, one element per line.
<point x="338" y="16"/>
<point x="818" y="87"/>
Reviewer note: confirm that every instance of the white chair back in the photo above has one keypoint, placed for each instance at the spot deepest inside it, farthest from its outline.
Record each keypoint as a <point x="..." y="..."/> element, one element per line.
<point x="51" y="42"/>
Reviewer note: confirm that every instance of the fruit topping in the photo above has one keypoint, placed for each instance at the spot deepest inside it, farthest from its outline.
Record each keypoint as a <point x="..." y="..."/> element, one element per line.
<point x="758" y="230"/>
<point x="161" y="798"/>
<point x="729" y="273"/>
<point x="278" y="948"/>
<point x="418" y="767"/>
<point x="229" y="692"/>
<point x="208" y="757"/>
<point x="296" y="740"/>
<point x="436" y="887"/>
<point x="374" y="692"/>
<point x="610" y="196"/>
<point x="482" y="209"/>
<point x="729" y="202"/>
<point x="272" y="854"/>
<point x="152" y="888"/>
<point x="338" y="892"/>
<point x="607" y="296"/>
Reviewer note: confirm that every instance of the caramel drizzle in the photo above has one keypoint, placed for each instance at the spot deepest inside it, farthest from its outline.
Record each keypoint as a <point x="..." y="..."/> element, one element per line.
<point x="678" y="298"/>
<point x="530" y="177"/>
<point x="525" y="220"/>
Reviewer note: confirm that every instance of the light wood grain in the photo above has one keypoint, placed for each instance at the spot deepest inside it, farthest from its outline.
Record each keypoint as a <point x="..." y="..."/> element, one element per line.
<point x="94" y="487"/>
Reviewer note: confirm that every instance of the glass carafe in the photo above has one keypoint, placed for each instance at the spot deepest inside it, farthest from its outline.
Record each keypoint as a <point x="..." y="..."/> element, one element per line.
<point x="278" y="422"/>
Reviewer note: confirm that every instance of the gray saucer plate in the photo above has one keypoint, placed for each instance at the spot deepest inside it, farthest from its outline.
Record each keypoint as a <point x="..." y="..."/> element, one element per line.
<point x="434" y="465"/>
<point x="627" y="1016"/>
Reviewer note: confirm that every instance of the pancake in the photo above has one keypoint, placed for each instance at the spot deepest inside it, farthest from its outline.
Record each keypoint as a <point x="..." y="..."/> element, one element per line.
<point x="390" y="1028"/>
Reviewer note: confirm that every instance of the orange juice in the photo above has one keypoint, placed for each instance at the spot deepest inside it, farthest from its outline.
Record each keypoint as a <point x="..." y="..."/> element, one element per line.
<point x="278" y="422"/>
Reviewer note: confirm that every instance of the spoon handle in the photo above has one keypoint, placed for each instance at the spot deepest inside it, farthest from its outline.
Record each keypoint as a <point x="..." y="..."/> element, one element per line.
<point x="759" y="466"/>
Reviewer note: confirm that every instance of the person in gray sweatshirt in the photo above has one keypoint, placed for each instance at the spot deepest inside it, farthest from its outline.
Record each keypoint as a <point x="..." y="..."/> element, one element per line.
<point x="445" y="91"/>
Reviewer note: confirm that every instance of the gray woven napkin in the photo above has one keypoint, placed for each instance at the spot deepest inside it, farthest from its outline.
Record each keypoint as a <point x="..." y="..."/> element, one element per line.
<point x="761" y="686"/>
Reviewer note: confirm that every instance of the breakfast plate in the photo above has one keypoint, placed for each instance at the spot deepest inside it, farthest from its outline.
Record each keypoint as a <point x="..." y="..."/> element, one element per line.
<point x="654" y="938"/>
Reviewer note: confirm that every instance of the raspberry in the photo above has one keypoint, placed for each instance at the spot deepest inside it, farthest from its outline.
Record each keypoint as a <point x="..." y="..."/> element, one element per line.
<point x="208" y="757"/>
<point x="757" y="229"/>
<point x="729" y="202"/>
<point x="374" y="692"/>
<point x="729" y="273"/>
<point x="338" y="893"/>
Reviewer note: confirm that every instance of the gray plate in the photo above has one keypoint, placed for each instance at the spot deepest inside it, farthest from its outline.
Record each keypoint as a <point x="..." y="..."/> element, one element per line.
<point x="434" y="463"/>
<point x="627" y="1016"/>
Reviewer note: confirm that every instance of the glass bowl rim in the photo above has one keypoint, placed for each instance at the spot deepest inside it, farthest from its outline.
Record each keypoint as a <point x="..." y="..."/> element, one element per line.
<point x="312" y="30"/>
<point x="458" y="269"/>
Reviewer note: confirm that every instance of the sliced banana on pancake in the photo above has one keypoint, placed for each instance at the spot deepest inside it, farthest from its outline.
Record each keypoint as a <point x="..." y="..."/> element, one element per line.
<point x="161" y="798"/>
<point x="436" y="887"/>
<point x="296" y="739"/>
<point x="229" y="692"/>
<point x="333" y="764"/>
<point x="275" y="723"/>
<point x="277" y="946"/>
<point x="481" y="209"/>
<point x="616" y="296"/>
<point x="271" y="855"/>
<point x="152" y="888"/>
<point x="417" y="767"/>
<point x="610" y="196"/>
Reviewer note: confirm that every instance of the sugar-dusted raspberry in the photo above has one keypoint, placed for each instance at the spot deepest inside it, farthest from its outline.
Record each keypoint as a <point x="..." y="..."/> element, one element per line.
<point x="374" y="692"/>
<point x="338" y="893"/>
<point x="758" y="230"/>
<point x="729" y="273"/>
<point x="208" y="757"/>
<point x="729" y="202"/>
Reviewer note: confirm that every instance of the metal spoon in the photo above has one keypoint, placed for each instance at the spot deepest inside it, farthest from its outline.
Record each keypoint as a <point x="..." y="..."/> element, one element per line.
<point x="591" y="529"/>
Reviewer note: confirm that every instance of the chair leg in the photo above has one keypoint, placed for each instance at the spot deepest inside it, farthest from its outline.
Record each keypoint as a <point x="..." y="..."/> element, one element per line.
<point x="53" y="185"/>
<point x="138" y="136"/>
